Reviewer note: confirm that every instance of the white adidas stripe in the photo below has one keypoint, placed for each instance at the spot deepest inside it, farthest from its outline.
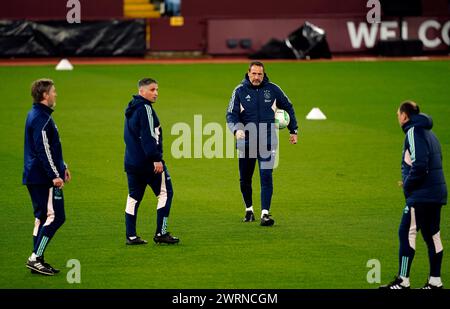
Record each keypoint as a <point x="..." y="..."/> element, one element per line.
<point x="150" y="123"/>
<point x="231" y="104"/>
<point x="47" y="149"/>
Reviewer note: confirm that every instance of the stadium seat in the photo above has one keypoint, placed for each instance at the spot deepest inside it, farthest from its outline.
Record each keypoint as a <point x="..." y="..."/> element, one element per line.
<point x="139" y="9"/>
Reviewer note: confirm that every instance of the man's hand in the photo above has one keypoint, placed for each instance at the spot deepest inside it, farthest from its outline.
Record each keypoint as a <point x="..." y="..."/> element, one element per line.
<point x="240" y="134"/>
<point x="58" y="183"/>
<point x="67" y="176"/>
<point x="159" y="167"/>
<point x="293" y="138"/>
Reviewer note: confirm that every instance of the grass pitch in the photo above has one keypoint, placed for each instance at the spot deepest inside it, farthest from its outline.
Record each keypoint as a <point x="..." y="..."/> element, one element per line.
<point x="336" y="202"/>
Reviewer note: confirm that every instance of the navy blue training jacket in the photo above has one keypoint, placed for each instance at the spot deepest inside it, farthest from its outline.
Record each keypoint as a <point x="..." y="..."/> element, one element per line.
<point x="43" y="159"/>
<point x="422" y="173"/>
<point x="142" y="135"/>
<point x="257" y="104"/>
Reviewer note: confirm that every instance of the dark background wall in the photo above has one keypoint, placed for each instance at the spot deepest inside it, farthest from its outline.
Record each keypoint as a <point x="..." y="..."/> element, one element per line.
<point x="292" y="8"/>
<point x="208" y="23"/>
<point x="270" y="8"/>
<point x="104" y="9"/>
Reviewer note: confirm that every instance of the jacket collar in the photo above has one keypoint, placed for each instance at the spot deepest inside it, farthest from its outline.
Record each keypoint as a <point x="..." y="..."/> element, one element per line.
<point x="136" y="102"/>
<point x="138" y="98"/>
<point x="43" y="107"/>
<point x="247" y="82"/>
<point x="421" y="120"/>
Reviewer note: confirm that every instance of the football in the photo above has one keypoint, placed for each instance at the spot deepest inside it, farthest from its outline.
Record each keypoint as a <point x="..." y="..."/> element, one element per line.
<point x="281" y="119"/>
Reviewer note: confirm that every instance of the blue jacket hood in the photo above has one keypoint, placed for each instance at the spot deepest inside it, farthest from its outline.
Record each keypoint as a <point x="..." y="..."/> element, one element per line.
<point x="246" y="81"/>
<point x="137" y="101"/>
<point x="421" y="120"/>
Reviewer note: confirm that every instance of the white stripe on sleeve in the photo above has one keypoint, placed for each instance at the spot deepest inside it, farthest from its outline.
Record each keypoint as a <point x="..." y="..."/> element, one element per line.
<point x="231" y="104"/>
<point x="412" y="146"/>
<point x="151" y="124"/>
<point x="47" y="149"/>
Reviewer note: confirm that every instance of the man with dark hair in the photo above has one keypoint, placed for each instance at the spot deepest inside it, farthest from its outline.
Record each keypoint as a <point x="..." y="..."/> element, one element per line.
<point x="144" y="163"/>
<point x="44" y="173"/>
<point x="425" y="191"/>
<point x="409" y="108"/>
<point x="252" y="109"/>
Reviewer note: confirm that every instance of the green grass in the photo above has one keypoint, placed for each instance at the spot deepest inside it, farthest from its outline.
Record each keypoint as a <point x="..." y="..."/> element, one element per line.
<point x="336" y="201"/>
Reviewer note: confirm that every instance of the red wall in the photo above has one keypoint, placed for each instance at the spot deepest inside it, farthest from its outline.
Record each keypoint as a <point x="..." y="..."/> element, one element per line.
<point x="344" y="35"/>
<point x="204" y="29"/>
<point x="105" y="9"/>
<point x="291" y="8"/>
<point x="209" y="23"/>
<point x="189" y="37"/>
<point x="57" y="10"/>
<point x="270" y="8"/>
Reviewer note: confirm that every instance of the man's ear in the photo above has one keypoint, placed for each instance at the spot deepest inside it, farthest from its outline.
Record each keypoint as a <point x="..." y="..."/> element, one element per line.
<point x="405" y="117"/>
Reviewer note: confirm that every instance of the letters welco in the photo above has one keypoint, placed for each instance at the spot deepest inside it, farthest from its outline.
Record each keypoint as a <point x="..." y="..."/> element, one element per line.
<point x="431" y="32"/>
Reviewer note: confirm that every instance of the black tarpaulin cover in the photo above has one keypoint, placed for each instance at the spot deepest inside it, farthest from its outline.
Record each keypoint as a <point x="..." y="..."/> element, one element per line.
<point x="307" y="42"/>
<point x="59" y="38"/>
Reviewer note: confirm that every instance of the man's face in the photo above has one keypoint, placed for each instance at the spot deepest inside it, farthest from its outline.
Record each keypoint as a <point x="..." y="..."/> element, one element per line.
<point x="256" y="75"/>
<point x="402" y="117"/>
<point x="50" y="97"/>
<point x="149" y="92"/>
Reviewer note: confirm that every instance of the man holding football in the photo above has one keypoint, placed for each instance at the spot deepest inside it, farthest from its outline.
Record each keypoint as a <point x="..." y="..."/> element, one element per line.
<point x="251" y="118"/>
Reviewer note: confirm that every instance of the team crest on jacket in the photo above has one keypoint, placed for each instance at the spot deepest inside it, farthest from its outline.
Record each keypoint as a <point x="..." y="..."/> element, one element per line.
<point x="267" y="94"/>
<point x="248" y="97"/>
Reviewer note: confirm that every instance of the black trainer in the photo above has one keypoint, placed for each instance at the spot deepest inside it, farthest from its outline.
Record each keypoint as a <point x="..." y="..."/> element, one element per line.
<point x="429" y="286"/>
<point x="39" y="267"/>
<point x="136" y="241"/>
<point x="249" y="216"/>
<point x="395" y="285"/>
<point x="54" y="270"/>
<point x="266" y="220"/>
<point x="166" y="239"/>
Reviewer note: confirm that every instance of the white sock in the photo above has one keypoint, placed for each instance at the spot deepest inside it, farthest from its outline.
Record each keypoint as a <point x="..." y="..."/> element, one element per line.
<point x="249" y="208"/>
<point x="405" y="281"/>
<point x="33" y="257"/>
<point x="264" y="212"/>
<point x="436" y="281"/>
<point x="132" y="237"/>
